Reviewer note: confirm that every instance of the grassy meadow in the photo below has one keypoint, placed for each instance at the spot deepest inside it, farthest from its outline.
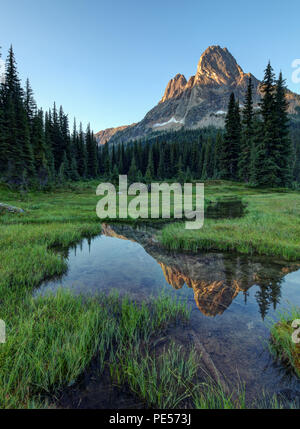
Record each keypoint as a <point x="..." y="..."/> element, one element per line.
<point x="50" y="340"/>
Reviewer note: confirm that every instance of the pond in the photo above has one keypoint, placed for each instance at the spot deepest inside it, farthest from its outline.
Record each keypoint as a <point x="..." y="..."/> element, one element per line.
<point x="231" y="296"/>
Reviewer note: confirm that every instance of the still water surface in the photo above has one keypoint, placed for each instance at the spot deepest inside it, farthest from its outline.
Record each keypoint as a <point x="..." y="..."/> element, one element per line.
<point x="231" y="296"/>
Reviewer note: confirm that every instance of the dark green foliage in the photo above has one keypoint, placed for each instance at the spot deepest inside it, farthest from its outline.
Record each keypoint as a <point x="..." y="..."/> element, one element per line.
<point x="267" y="165"/>
<point x="271" y="160"/>
<point x="232" y="141"/>
<point x="262" y="148"/>
<point x="283" y="142"/>
<point x="92" y="155"/>
<point x="132" y="174"/>
<point x="244" y="162"/>
<point x="38" y="151"/>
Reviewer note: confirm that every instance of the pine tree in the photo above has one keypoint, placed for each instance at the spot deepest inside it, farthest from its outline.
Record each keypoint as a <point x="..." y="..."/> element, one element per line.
<point x="38" y="142"/>
<point x="91" y="147"/>
<point x="106" y="160"/>
<point x="188" y="175"/>
<point x="180" y="173"/>
<point x="244" y="161"/>
<point x="161" y="165"/>
<point x="150" y="166"/>
<point x="115" y="176"/>
<point x="16" y="143"/>
<point x="81" y="154"/>
<point x="216" y="156"/>
<point x="120" y="159"/>
<point x="29" y="102"/>
<point x="57" y="143"/>
<point x="132" y="174"/>
<point x="207" y="169"/>
<point x="267" y="167"/>
<point x="283" y="141"/>
<point x="231" y="146"/>
<point x="62" y="177"/>
<point x="167" y="161"/>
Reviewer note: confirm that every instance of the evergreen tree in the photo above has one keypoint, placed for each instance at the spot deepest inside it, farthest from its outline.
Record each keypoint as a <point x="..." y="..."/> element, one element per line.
<point x="91" y="147"/>
<point x="161" y="165"/>
<point x="106" y="160"/>
<point x="283" y="142"/>
<point x="115" y="176"/>
<point x="231" y="146"/>
<point x="267" y="167"/>
<point x="29" y="102"/>
<point x="244" y="162"/>
<point x="216" y="156"/>
<point x="150" y="166"/>
<point x="81" y="154"/>
<point x="40" y="150"/>
<point x="180" y="173"/>
<point x="132" y="174"/>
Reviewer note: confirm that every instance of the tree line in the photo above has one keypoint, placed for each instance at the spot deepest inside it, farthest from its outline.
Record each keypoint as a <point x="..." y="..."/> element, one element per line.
<point x="37" y="149"/>
<point x="260" y="146"/>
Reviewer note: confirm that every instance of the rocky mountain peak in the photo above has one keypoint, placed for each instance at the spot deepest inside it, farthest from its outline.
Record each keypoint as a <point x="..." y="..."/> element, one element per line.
<point x="217" y="65"/>
<point x="174" y="87"/>
<point x="203" y="100"/>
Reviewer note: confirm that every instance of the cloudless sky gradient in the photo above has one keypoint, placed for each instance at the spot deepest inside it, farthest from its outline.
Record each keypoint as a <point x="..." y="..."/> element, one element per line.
<point x="108" y="62"/>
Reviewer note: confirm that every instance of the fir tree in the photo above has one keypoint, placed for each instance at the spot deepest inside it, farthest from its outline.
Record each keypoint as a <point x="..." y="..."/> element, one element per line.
<point x="283" y="142"/>
<point x="231" y="145"/>
<point x="267" y="167"/>
<point x="161" y="165"/>
<point x="244" y="162"/>
<point x="132" y="174"/>
<point x="91" y="147"/>
<point x="40" y="150"/>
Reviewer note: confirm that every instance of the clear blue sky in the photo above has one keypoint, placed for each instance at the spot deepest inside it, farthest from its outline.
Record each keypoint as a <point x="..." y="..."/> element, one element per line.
<point x="108" y="62"/>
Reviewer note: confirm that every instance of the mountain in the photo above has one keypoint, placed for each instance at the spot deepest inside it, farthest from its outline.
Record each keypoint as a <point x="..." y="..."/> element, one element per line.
<point x="104" y="136"/>
<point x="202" y="100"/>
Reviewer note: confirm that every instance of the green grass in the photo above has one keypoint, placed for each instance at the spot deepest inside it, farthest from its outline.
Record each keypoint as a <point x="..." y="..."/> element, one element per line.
<point x="270" y="227"/>
<point x="51" y="340"/>
<point x="49" y="343"/>
<point x="281" y="344"/>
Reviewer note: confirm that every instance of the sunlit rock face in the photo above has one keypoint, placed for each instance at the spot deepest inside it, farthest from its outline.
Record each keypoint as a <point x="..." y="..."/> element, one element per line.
<point x="201" y="100"/>
<point x="175" y="87"/>
<point x="215" y="278"/>
<point x="104" y="136"/>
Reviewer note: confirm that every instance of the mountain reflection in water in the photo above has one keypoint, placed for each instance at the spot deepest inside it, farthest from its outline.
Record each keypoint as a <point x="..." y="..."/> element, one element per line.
<point x="234" y="293"/>
<point x="215" y="278"/>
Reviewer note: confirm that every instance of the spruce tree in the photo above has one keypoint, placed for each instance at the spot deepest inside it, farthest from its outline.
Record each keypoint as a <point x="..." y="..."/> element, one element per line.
<point x="81" y="154"/>
<point x="283" y="141"/>
<point x="244" y="161"/>
<point x="217" y="156"/>
<point x="150" y="165"/>
<point x="161" y="165"/>
<point x="91" y="147"/>
<point x="231" y="144"/>
<point x="40" y="150"/>
<point x="180" y="173"/>
<point x="132" y="174"/>
<point x="106" y="161"/>
<point x="267" y="159"/>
